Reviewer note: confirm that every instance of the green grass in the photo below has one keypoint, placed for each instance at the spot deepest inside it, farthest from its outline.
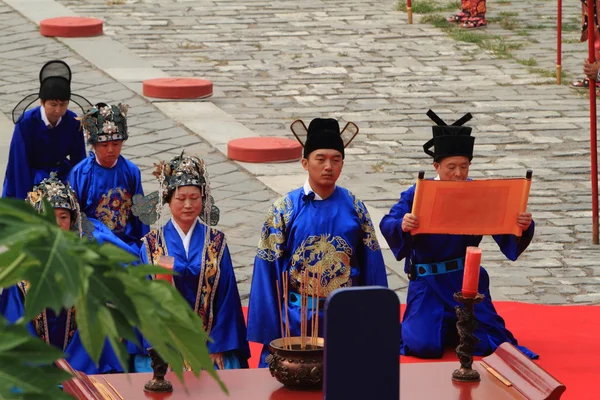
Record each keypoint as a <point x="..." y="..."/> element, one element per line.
<point x="537" y="26"/>
<point x="571" y="41"/>
<point x="571" y="27"/>
<point x="508" y="23"/>
<point x="546" y="73"/>
<point x="484" y="40"/>
<point x="464" y="35"/>
<point x="530" y="62"/>
<point x="437" y="20"/>
<point x="190" y="45"/>
<point x="428" y="6"/>
<point x="501" y="47"/>
<point x="508" y="14"/>
<point x="496" y="44"/>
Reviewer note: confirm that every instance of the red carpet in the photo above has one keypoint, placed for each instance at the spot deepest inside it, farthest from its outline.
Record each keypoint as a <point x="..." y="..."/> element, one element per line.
<point x="567" y="338"/>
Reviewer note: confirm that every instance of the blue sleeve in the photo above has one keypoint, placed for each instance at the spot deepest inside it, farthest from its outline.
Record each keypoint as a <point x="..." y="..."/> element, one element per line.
<point x="229" y="327"/>
<point x="78" y="186"/>
<point x="512" y="246"/>
<point x="139" y="229"/>
<point x="391" y="226"/>
<point x="12" y="305"/>
<point x="104" y="235"/>
<point x="372" y="265"/>
<point x="143" y="255"/>
<point x="78" y="149"/>
<point x="18" y="180"/>
<point x="263" y="318"/>
<point x="142" y="362"/>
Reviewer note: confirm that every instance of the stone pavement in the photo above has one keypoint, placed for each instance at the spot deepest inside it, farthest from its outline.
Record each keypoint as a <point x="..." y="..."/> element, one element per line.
<point x="275" y="61"/>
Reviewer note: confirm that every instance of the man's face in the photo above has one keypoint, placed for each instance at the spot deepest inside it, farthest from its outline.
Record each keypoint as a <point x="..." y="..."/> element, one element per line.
<point x="55" y="109"/>
<point x="455" y="168"/>
<point x="324" y="166"/>
<point x="108" y="152"/>
<point x="63" y="218"/>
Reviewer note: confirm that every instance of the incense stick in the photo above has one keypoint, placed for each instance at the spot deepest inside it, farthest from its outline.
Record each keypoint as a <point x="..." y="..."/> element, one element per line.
<point x="302" y="295"/>
<point x="318" y="300"/>
<point x="287" y="309"/>
<point x="315" y="307"/>
<point x="280" y="315"/>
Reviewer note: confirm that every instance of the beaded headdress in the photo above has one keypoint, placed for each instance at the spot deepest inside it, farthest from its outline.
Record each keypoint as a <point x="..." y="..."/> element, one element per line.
<point x="59" y="195"/>
<point x="104" y="123"/>
<point x="180" y="171"/>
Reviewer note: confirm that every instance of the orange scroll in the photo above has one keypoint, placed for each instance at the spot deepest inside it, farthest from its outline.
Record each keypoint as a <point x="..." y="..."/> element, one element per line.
<point x="484" y="207"/>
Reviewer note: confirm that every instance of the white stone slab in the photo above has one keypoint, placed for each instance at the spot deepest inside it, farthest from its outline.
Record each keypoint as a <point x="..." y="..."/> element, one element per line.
<point x="207" y="121"/>
<point x="135" y="74"/>
<point x="283" y="184"/>
<point x="183" y="111"/>
<point x="106" y="54"/>
<point x="270" y="169"/>
<point x="38" y="10"/>
<point x="6" y="127"/>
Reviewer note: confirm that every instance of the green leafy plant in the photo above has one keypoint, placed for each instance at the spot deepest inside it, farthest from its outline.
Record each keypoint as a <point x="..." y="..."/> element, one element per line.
<point x="110" y="300"/>
<point x="428" y="6"/>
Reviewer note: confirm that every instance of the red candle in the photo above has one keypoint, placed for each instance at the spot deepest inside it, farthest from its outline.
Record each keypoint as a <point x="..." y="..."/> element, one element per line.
<point x="166" y="262"/>
<point x="471" y="273"/>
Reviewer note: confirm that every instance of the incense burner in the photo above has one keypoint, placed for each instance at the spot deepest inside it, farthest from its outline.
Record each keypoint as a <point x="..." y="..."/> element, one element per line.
<point x="294" y="366"/>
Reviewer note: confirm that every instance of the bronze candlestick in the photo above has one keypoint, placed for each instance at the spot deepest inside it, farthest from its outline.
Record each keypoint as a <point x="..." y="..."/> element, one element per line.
<point x="158" y="383"/>
<point x="466" y="325"/>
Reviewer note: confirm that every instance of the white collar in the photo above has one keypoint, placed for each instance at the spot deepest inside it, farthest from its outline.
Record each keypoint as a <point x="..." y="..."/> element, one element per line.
<point x="437" y="178"/>
<point x="45" y="119"/>
<point x="308" y="189"/>
<point x="112" y="166"/>
<point x="185" y="238"/>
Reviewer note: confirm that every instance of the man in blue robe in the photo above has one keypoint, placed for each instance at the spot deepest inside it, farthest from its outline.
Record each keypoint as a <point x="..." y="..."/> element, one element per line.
<point x="206" y="278"/>
<point x="105" y="182"/>
<point x="46" y="138"/>
<point x="320" y="236"/>
<point x="60" y="329"/>
<point x="435" y="262"/>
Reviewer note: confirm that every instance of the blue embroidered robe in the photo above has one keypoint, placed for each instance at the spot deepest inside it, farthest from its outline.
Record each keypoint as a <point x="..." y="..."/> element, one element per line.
<point x="61" y="329"/>
<point x="106" y="195"/>
<point x="302" y="233"/>
<point x="207" y="281"/>
<point x="36" y="151"/>
<point x="429" y="323"/>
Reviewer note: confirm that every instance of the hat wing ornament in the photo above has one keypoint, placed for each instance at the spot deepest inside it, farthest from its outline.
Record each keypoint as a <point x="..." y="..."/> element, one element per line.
<point x="29" y="100"/>
<point x="87" y="227"/>
<point x="300" y="131"/>
<point x="146" y="207"/>
<point x="214" y="215"/>
<point x="52" y="69"/>
<point x="349" y="133"/>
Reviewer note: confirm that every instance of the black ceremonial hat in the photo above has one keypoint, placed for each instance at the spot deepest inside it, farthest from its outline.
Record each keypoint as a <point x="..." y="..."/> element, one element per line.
<point x="323" y="133"/>
<point x="450" y="140"/>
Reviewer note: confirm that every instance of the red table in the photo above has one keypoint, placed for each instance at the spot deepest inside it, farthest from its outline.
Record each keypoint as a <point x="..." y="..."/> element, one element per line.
<point x="422" y="381"/>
